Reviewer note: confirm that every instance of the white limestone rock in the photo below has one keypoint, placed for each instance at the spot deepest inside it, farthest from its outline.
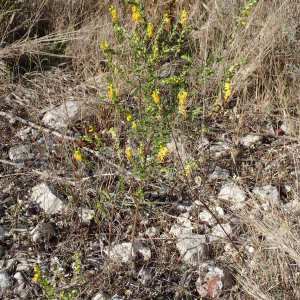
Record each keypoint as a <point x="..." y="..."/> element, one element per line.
<point x="267" y="193"/>
<point x="153" y="231"/>
<point x="42" y="231"/>
<point x="60" y="116"/>
<point x="219" y="174"/>
<point x="230" y="191"/>
<point x="178" y="230"/>
<point x="86" y="215"/>
<point x="214" y="279"/>
<point x="47" y="199"/>
<point x="190" y="246"/>
<point x="251" y="140"/>
<point x="101" y="296"/>
<point x="5" y="282"/>
<point x="21" y="153"/>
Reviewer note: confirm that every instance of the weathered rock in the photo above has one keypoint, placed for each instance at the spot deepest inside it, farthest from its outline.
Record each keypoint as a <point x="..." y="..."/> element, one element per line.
<point x="293" y="206"/>
<point x="42" y="232"/>
<point x="267" y="193"/>
<point x="5" y="282"/>
<point x="20" y="153"/>
<point x="143" y="250"/>
<point x="117" y="297"/>
<point x="203" y="142"/>
<point x="153" y="231"/>
<point x="192" y="245"/>
<point x="86" y="215"/>
<point x="47" y="199"/>
<point x="231" y="192"/>
<point x="214" y="280"/>
<point x="219" y="174"/>
<point x="24" y="134"/>
<point x="4" y="233"/>
<point x="60" y="116"/>
<point x="184" y="220"/>
<point x="219" y="150"/>
<point x="251" y="140"/>
<point x="219" y="232"/>
<point x="206" y="216"/>
<point x="122" y="251"/>
<point x="184" y="207"/>
<point x="19" y="284"/>
<point x="144" y="274"/>
<point x="178" y="230"/>
<point x="101" y="296"/>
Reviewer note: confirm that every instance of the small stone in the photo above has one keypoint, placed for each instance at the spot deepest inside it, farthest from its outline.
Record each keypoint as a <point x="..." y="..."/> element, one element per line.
<point x="117" y="297"/>
<point x="60" y="116"/>
<point x="214" y="280"/>
<point x="42" y="231"/>
<point x="20" y="153"/>
<point x="192" y="247"/>
<point x="203" y="142"/>
<point x="144" y="274"/>
<point x="20" y="283"/>
<point x="251" y="140"/>
<point x="184" y="207"/>
<point x="219" y="232"/>
<point x="231" y="192"/>
<point x="5" y="282"/>
<point x="219" y="174"/>
<point x="86" y="215"/>
<point x="206" y="216"/>
<point x="47" y="199"/>
<point x="250" y="249"/>
<point x="153" y="231"/>
<point x="122" y="251"/>
<point x="293" y="206"/>
<point x="267" y="193"/>
<point x="101" y="296"/>
<point x="4" y="233"/>
<point x="24" y="134"/>
<point x="178" y="230"/>
<point x="143" y="250"/>
<point x="219" y="150"/>
<point x="183" y="218"/>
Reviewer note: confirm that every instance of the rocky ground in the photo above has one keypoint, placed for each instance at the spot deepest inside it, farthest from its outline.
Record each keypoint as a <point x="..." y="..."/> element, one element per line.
<point x="200" y="236"/>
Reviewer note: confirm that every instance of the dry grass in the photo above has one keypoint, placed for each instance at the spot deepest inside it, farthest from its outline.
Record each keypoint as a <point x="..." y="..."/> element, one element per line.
<point x="50" y="53"/>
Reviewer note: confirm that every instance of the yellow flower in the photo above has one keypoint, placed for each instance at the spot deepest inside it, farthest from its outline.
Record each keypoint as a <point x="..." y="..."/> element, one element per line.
<point x="155" y="96"/>
<point x="133" y="126"/>
<point x="104" y="45"/>
<point x="113" y="132"/>
<point x="227" y="90"/>
<point x="162" y="154"/>
<point x="137" y="15"/>
<point x="182" y="96"/>
<point x="150" y="30"/>
<point x="183" y="19"/>
<point x="111" y="91"/>
<point x="129" y="153"/>
<point x="129" y="117"/>
<point x="113" y="14"/>
<point x="78" y="155"/>
<point x="140" y="149"/>
<point x="167" y="18"/>
<point x="91" y="129"/>
<point x="36" y="277"/>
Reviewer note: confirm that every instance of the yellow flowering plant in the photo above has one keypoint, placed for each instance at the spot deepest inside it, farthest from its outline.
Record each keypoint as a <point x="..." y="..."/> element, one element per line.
<point x="159" y="99"/>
